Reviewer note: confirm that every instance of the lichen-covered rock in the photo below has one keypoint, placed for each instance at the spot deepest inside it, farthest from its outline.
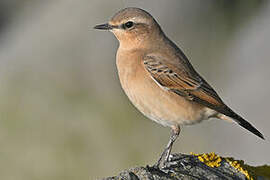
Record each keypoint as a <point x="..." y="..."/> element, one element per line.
<point x="197" y="166"/>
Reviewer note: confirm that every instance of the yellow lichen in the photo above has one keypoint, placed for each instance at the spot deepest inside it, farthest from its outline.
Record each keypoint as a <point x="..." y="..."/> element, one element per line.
<point x="214" y="160"/>
<point x="240" y="166"/>
<point x="210" y="159"/>
<point x="250" y="172"/>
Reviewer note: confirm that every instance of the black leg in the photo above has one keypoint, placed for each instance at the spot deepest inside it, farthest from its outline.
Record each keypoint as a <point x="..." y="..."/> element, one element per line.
<point x="167" y="151"/>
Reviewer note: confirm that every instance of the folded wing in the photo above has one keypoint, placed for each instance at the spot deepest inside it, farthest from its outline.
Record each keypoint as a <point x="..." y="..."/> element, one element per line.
<point x="183" y="80"/>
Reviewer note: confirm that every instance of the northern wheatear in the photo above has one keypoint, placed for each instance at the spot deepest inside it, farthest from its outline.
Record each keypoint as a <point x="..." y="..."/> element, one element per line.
<point x="159" y="80"/>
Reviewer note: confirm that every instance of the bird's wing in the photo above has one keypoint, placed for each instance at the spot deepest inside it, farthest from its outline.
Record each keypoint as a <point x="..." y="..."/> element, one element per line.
<point x="183" y="80"/>
<point x="179" y="77"/>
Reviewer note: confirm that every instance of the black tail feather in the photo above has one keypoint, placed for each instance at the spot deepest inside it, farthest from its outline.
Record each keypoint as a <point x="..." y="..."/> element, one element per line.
<point x="242" y="122"/>
<point x="248" y="126"/>
<point x="223" y="109"/>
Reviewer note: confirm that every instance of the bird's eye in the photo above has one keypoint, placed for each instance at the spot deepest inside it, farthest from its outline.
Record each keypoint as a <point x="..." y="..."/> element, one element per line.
<point x="128" y="24"/>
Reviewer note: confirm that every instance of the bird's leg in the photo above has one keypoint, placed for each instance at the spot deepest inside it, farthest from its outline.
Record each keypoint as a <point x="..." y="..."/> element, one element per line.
<point x="167" y="151"/>
<point x="173" y="137"/>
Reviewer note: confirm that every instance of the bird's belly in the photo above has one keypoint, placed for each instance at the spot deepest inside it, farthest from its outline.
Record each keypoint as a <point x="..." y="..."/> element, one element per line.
<point x="158" y="104"/>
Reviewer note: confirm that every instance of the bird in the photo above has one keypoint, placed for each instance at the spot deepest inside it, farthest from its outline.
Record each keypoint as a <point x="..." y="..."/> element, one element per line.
<point x="160" y="81"/>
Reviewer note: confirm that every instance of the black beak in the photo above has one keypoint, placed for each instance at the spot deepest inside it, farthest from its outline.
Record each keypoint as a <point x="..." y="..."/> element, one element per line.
<point x="103" y="27"/>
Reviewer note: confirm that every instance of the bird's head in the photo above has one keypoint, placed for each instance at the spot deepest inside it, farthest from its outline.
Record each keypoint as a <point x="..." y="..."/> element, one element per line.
<point x="133" y="27"/>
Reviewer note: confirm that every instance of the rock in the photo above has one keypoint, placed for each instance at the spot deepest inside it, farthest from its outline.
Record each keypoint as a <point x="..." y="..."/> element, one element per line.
<point x="196" y="166"/>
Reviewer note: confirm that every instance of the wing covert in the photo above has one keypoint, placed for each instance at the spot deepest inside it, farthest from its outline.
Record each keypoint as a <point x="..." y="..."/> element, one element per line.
<point x="181" y="81"/>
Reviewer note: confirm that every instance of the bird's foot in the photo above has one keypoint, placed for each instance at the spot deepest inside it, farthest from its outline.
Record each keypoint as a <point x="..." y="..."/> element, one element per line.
<point x="161" y="164"/>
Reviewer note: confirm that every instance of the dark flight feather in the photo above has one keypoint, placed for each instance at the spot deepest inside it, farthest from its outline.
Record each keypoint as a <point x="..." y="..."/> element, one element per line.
<point x="182" y="79"/>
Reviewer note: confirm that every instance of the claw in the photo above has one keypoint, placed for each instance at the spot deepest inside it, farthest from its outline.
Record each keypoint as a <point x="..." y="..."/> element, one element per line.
<point x="170" y="158"/>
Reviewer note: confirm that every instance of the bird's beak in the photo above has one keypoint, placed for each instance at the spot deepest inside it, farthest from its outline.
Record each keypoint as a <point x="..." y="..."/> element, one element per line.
<point x="103" y="27"/>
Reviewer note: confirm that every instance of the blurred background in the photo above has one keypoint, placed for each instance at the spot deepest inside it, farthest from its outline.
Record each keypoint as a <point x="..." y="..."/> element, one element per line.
<point x="63" y="114"/>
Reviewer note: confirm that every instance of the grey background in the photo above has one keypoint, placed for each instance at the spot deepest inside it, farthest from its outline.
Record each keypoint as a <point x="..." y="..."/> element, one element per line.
<point x="63" y="114"/>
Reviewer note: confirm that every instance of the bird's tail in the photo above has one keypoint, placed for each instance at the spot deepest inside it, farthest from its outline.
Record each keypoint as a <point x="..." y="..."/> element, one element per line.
<point x="241" y="121"/>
